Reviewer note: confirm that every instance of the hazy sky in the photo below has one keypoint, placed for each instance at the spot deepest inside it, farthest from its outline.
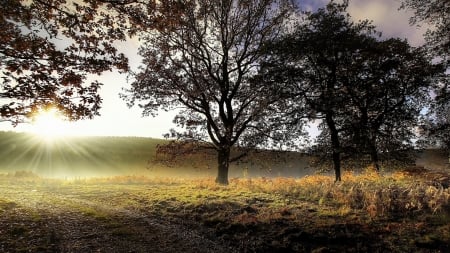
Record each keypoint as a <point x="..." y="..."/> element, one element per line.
<point x="117" y="119"/>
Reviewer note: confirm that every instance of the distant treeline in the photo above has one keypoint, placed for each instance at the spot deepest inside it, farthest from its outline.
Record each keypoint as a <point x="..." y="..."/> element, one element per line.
<point x="108" y="156"/>
<point x="75" y="156"/>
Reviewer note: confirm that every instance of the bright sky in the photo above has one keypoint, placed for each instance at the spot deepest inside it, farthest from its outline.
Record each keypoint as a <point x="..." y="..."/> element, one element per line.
<point x="118" y="120"/>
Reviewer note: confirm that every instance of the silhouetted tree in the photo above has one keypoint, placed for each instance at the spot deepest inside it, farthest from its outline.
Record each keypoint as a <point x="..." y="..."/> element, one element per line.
<point x="435" y="13"/>
<point x="47" y="49"/>
<point x="436" y="124"/>
<point x="203" y="64"/>
<point x="366" y="92"/>
<point x="388" y="89"/>
<point x="312" y="64"/>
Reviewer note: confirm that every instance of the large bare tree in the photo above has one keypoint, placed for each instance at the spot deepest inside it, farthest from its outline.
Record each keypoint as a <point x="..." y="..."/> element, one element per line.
<point x="202" y="63"/>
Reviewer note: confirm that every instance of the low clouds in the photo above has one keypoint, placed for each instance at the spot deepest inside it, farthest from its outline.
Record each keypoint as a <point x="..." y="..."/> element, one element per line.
<point x="311" y="5"/>
<point x="385" y="15"/>
<point x="388" y="19"/>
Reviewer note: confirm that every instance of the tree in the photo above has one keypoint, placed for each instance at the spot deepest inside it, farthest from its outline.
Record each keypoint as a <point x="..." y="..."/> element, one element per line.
<point x="366" y="92"/>
<point x="47" y="50"/>
<point x="387" y="90"/>
<point x="204" y="62"/>
<point x="436" y="124"/>
<point x="435" y="13"/>
<point x="312" y="64"/>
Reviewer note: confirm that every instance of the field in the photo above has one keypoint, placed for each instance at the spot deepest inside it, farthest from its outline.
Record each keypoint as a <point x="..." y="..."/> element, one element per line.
<point x="109" y="194"/>
<point x="364" y="213"/>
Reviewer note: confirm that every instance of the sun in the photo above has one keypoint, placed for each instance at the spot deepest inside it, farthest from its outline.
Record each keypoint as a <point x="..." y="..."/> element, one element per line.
<point x="49" y="125"/>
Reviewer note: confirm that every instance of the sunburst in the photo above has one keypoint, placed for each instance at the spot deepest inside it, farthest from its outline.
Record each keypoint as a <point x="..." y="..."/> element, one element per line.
<point x="49" y="125"/>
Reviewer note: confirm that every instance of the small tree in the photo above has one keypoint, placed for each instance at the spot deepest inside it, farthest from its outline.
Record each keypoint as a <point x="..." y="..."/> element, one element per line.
<point x="204" y="61"/>
<point x="47" y="49"/>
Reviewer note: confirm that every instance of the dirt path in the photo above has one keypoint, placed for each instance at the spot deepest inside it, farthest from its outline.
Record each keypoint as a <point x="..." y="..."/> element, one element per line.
<point x="52" y="222"/>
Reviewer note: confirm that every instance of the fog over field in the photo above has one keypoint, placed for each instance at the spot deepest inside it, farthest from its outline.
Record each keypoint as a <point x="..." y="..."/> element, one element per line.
<point x="73" y="157"/>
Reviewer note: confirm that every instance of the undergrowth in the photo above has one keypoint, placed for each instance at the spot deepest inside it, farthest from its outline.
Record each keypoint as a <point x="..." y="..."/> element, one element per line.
<point x="388" y="195"/>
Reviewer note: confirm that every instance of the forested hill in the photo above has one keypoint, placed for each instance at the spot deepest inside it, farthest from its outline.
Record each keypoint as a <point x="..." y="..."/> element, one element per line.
<point x="108" y="156"/>
<point x="75" y="156"/>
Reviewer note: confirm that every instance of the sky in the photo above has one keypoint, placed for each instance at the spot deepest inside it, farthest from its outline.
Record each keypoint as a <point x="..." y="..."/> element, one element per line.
<point x="118" y="120"/>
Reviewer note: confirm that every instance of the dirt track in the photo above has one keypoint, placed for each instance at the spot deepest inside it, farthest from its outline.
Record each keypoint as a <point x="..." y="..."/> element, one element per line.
<point x="54" y="222"/>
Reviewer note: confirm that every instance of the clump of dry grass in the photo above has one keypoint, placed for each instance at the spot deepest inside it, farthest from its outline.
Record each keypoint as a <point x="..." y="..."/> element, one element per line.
<point x="378" y="195"/>
<point x="393" y="194"/>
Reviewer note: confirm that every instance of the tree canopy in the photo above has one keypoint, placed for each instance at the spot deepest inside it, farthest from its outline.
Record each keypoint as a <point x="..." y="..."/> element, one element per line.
<point x="435" y="13"/>
<point x="366" y="92"/>
<point x="47" y="51"/>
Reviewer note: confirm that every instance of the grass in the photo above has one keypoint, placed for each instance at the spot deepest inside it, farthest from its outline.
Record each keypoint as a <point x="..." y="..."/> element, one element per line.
<point x="365" y="212"/>
<point x="111" y="202"/>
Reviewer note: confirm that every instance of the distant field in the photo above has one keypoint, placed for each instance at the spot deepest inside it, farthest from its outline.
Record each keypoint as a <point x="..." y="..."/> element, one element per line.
<point x="74" y="157"/>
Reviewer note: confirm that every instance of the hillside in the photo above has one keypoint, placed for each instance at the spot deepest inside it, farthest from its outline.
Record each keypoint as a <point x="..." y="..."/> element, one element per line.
<point x="75" y="156"/>
<point x="110" y="156"/>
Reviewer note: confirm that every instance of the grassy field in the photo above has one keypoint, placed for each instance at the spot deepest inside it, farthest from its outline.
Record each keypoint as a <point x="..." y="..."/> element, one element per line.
<point x="114" y="194"/>
<point x="403" y="212"/>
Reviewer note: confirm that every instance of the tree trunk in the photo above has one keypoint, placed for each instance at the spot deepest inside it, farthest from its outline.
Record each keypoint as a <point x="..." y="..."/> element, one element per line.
<point x="337" y="165"/>
<point x="223" y="159"/>
<point x="374" y="154"/>
<point x="335" y="145"/>
<point x="448" y="155"/>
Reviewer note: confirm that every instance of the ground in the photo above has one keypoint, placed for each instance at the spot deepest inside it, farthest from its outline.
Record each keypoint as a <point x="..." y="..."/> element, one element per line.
<point x="136" y="214"/>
